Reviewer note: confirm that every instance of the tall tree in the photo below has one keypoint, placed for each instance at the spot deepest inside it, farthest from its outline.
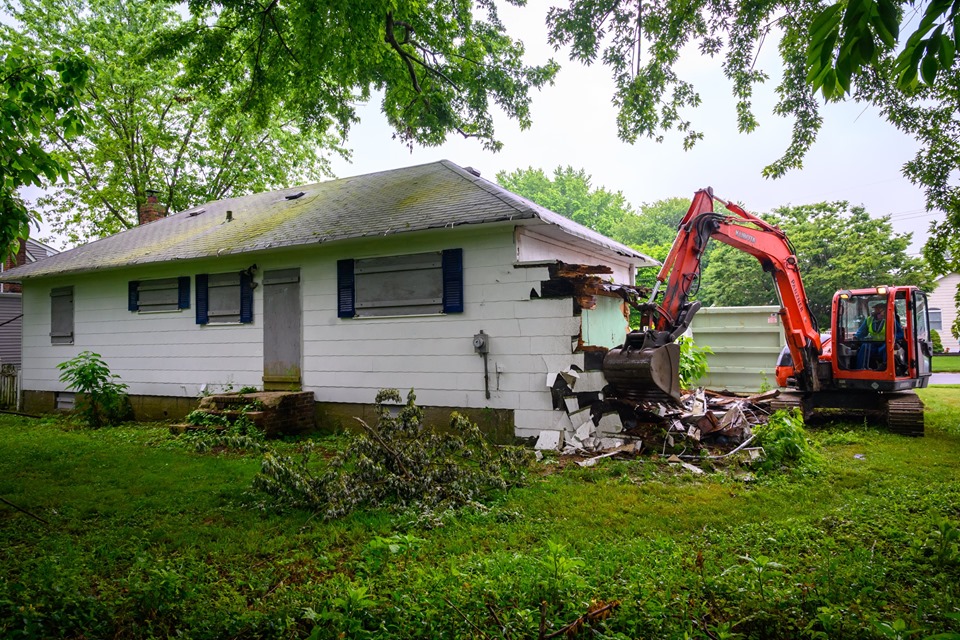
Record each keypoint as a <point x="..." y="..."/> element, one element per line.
<point x="147" y="129"/>
<point x="441" y="65"/>
<point x="837" y="246"/>
<point x="850" y="46"/>
<point x="37" y="92"/>
<point x="570" y="193"/>
<point x="654" y="231"/>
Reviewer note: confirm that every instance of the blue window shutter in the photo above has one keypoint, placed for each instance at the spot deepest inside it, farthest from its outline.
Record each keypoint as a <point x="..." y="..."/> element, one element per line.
<point x="452" y="280"/>
<point x="345" y="290"/>
<point x="183" y="292"/>
<point x="133" y="295"/>
<point x="246" y="296"/>
<point x="202" y="300"/>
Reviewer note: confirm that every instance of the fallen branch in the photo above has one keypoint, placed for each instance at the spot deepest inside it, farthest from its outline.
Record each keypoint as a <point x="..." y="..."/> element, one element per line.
<point x="386" y="447"/>
<point x="742" y="445"/>
<point x="18" y="413"/>
<point x="22" y="510"/>
<point x="601" y="612"/>
<point x="469" y="621"/>
<point x="496" y="618"/>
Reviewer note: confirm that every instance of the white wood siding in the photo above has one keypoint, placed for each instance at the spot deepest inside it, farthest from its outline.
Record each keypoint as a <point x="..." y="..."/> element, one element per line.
<point x="162" y="353"/>
<point x="534" y="246"/>
<point x="344" y="360"/>
<point x="943" y="298"/>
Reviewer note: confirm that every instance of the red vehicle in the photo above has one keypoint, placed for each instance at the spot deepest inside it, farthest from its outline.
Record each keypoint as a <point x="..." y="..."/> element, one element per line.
<point x="870" y="359"/>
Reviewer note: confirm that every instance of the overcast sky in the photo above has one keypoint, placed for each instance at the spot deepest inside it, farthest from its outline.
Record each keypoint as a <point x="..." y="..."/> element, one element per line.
<point x="857" y="157"/>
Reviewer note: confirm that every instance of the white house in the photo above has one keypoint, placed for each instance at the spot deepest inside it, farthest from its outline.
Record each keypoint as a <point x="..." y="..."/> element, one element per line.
<point x="943" y="309"/>
<point x="340" y="288"/>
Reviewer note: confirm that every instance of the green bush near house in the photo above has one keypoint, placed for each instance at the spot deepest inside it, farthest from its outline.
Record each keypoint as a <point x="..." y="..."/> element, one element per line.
<point x="146" y="538"/>
<point x="103" y="399"/>
<point x="936" y="341"/>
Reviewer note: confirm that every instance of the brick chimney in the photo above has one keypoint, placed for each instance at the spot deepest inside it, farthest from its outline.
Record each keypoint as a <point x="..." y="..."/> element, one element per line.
<point x="15" y="261"/>
<point x="151" y="210"/>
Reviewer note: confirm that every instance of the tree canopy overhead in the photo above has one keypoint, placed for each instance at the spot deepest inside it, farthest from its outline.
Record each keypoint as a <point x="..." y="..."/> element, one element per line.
<point x="146" y="128"/>
<point x="848" y="48"/>
<point x="442" y="66"/>
<point x="37" y="91"/>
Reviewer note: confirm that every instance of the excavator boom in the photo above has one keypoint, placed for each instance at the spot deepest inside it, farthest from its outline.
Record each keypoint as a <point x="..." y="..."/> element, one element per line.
<point x="647" y="364"/>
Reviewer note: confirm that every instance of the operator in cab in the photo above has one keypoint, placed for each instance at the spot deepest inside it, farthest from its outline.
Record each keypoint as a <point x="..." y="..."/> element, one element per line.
<point x="873" y="331"/>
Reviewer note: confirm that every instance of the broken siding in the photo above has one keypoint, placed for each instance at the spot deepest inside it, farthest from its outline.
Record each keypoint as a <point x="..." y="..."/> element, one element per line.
<point x="533" y="245"/>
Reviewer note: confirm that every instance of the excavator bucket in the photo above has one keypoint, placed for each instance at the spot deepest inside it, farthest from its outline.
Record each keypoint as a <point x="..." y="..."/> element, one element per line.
<point x="643" y="370"/>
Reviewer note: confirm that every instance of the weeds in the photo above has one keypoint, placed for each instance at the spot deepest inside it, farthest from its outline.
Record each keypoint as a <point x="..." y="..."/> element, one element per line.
<point x="784" y="442"/>
<point x="693" y="362"/>
<point x="103" y="400"/>
<point x="942" y="545"/>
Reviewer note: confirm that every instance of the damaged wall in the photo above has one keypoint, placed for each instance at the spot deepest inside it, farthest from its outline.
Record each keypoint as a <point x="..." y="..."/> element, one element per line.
<point x="345" y="360"/>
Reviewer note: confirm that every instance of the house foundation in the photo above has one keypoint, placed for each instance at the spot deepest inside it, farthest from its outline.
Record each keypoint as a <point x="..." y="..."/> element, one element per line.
<point x="325" y="417"/>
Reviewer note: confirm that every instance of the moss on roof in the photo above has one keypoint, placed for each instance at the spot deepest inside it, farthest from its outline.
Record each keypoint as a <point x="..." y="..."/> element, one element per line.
<point x="429" y="196"/>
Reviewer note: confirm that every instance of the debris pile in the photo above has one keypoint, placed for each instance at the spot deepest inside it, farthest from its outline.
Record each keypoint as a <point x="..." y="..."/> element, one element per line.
<point x="596" y="424"/>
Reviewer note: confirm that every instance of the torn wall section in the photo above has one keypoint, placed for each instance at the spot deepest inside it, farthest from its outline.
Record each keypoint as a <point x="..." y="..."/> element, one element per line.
<point x="576" y="384"/>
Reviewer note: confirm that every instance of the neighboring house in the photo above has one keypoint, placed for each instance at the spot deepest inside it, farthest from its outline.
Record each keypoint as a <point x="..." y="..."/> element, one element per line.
<point x="943" y="309"/>
<point x="11" y="307"/>
<point x="340" y="288"/>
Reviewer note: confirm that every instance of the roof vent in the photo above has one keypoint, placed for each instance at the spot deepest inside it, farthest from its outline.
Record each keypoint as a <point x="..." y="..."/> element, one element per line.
<point x="472" y="170"/>
<point x="194" y="214"/>
<point x="294" y="196"/>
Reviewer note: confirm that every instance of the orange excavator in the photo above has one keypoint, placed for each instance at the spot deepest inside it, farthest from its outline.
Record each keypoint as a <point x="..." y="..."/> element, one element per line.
<point x="875" y="353"/>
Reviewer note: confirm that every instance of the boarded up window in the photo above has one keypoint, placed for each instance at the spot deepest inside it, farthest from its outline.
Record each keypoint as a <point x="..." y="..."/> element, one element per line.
<point x="61" y="315"/>
<point x="167" y="294"/>
<point x="224" y="298"/>
<point x="421" y="283"/>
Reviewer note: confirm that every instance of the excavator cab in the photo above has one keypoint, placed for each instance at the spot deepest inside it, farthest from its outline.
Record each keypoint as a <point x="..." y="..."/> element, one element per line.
<point x="880" y="339"/>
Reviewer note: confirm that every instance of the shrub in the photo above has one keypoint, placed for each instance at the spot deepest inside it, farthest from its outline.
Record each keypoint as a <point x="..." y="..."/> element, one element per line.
<point x="937" y="342"/>
<point x="784" y="441"/>
<point x="399" y="463"/>
<point x="103" y="400"/>
<point x="693" y="362"/>
<point x="238" y="435"/>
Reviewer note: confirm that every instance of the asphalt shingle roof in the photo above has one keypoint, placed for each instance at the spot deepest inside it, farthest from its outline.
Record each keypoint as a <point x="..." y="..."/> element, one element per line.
<point x="429" y="196"/>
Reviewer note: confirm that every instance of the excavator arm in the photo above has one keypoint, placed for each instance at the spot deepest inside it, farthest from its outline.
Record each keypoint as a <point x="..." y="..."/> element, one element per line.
<point x="645" y="364"/>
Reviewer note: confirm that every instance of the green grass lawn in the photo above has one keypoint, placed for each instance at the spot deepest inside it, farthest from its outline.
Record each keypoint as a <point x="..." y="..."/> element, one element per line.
<point x="144" y="538"/>
<point x="946" y="364"/>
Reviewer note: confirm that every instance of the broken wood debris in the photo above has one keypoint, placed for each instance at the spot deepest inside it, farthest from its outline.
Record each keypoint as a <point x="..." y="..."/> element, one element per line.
<point x="597" y="424"/>
<point x="583" y="282"/>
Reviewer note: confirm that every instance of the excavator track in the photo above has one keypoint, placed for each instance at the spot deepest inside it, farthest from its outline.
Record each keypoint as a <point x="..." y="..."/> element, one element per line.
<point x="787" y="400"/>
<point x="900" y="412"/>
<point x="904" y="413"/>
